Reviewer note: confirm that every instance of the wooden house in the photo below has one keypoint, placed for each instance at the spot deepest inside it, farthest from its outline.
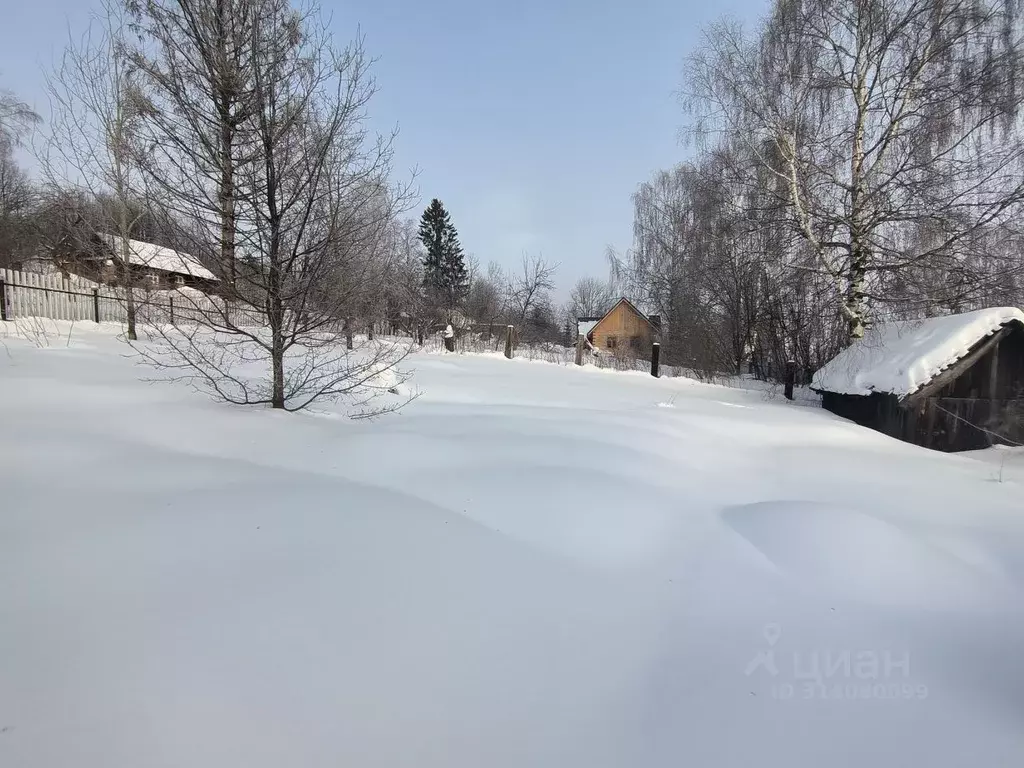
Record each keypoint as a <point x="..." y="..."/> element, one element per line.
<point x="100" y="259"/>
<point x="623" y="330"/>
<point x="951" y="383"/>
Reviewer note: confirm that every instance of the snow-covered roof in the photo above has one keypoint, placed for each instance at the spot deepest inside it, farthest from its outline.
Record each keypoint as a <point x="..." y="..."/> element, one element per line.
<point x="584" y="327"/>
<point x="902" y="357"/>
<point x="158" y="257"/>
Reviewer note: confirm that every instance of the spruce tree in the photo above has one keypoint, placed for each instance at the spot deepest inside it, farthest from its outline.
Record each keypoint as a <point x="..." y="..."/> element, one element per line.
<point x="444" y="269"/>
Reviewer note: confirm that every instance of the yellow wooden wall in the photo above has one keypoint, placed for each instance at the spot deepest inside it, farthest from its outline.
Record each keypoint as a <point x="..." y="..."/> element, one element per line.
<point x="623" y="323"/>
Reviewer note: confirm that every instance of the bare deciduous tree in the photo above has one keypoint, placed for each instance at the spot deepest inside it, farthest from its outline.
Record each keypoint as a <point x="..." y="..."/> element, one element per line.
<point x="486" y="301"/>
<point x="529" y="287"/>
<point x="406" y="307"/>
<point x="312" y="211"/>
<point x="888" y="129"/>
<point x="91" y="149"/>
<point x="855" y="160"/>
<point x="591" y="297"/>
<point x="16" y="118"/>
<point x="197" y="57"/>
<point x="16" y="197"/>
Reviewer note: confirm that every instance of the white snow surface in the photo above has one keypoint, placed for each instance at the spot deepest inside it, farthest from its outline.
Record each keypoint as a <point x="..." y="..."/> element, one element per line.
<point x="158" y="257"/>
<point x="584" y="327"/>
<point x="530" y="565"/>
<point x="900" y="357"/>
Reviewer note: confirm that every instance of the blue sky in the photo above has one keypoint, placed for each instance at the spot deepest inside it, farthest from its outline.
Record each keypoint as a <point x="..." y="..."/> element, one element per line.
<point x="533" y="120"/>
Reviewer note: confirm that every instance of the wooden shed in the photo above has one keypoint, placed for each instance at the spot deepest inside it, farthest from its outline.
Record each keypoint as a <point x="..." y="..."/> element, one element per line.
<point x="623" y="330"/>
<point x="952" y="383"/>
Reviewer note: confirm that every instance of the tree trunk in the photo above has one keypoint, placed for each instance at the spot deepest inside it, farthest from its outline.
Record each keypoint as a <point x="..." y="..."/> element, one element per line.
<point x="129" y="305"/>
<point x="853" y="305"/>
<point x="277" y="362"/>
<point x="276" y="340"/>
<point x="276" y="314"/>
<point x="854" y="309"/>
<point x="225" y="98"/>
<point x="129" y="290"/>
<point x="227" y="212"/>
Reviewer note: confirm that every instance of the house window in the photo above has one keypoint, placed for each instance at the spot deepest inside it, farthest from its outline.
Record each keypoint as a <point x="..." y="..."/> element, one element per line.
<point x="179" y="280"/>
<point x="610" y="342"/>
<point x="154" y="279"/>
<point x="635" y="342"/>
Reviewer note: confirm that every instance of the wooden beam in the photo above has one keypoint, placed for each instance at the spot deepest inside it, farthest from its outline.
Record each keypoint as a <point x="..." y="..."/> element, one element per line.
<point x="954" y="371"/>
<point x="993" y="374"/>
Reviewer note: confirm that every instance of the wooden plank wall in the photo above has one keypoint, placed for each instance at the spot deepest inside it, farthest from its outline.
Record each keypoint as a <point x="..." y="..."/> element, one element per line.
<point x="71" y="298"/>
<point x="25" y="299"/>
<point x="623" y="323"/>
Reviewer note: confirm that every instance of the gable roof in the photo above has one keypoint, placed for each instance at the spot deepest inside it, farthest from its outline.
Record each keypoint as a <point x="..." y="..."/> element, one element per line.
<point x="591" y="323"/>
<point x="157" y="257"/>
<point x="902" y="357"/>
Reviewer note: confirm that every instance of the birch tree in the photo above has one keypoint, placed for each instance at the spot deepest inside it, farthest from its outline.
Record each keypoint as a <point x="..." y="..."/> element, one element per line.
<point x="16" y="118"/>
<point x="890" y="128"/>
<point x="91" y="149"/>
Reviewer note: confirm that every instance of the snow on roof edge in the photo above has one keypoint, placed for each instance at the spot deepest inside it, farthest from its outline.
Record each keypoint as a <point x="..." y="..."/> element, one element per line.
<point x="165" y="259"/>
<point x="901" y="357"/>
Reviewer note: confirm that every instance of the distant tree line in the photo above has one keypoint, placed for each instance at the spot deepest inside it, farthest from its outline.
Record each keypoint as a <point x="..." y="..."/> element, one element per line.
<point x="436" y="283"/>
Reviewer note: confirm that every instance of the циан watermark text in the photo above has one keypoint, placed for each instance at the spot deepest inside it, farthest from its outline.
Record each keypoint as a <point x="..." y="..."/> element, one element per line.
<point x="843" y="674"/>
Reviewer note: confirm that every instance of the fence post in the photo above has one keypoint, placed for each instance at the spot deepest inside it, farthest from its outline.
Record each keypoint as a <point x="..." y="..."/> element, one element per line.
<point x="508" y="341"/>
<point x="580" y="340"/>
<point x="790" y="378"/>
<point x="655" y="358"/>
<point x="96" y="304"/>
<point x="419" y="335"/>
<point x="369" y="332"/>
<point x="171" y="300"/>
<point x="3" y="299"/>
<point x="348" y="334"/>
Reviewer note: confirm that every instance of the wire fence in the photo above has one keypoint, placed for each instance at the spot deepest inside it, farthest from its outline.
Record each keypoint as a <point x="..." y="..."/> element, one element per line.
<point x="493" y="341"/>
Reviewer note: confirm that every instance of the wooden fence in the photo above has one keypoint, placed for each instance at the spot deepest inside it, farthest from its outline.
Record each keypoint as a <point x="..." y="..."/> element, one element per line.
<point x="57" y="297"/>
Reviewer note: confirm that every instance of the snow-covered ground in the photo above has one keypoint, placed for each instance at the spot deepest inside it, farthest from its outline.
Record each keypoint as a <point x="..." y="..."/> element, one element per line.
<point x="531" y="565"/>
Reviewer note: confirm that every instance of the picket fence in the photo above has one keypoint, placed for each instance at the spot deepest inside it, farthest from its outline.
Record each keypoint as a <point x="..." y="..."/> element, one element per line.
<point x="59" y="297"/>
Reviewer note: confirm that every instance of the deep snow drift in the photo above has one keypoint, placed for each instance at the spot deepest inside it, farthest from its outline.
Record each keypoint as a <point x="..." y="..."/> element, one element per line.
<point x="531" y="565"/>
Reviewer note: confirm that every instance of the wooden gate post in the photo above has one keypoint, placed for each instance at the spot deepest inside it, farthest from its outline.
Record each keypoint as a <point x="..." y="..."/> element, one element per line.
<point x="655" y="359"/>
<point x="96" y="304"/>
<point x="790" y="378"/>
<point x="171" y="299"/>
<point x="508" y="341"/>
<point x="580" y="341"/>
<point x="3" y="300"/>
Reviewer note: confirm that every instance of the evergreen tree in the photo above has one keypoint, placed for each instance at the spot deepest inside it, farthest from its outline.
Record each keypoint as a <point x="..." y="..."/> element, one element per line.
<point x="444" y="269"/>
